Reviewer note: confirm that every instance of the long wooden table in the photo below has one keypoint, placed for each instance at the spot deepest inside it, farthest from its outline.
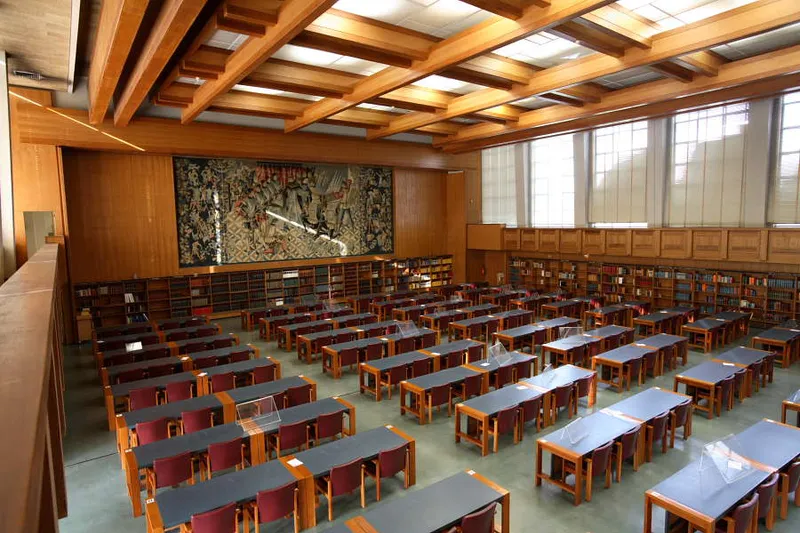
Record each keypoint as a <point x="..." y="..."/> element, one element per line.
<point x="792" y="403"/>
<point x="786" y="340"/>
<point x="705" y="376"/>
<point x="706" y="334"/>
<point x="618" y="360"/>
<point x="564" y="375"/>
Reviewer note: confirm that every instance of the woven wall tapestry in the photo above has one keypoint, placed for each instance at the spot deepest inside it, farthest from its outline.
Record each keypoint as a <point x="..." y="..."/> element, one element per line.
<point x="244" y="211"/>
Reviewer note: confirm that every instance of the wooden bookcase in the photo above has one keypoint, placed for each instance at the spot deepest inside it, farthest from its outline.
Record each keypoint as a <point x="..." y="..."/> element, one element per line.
<point x="225" y="294"/>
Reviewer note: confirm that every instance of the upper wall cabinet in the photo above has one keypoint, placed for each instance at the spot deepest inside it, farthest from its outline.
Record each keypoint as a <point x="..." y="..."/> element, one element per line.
<point x="485" y="236"/>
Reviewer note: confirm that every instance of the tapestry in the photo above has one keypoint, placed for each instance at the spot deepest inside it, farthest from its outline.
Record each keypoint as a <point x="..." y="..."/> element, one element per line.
<point x="244" y="211"/>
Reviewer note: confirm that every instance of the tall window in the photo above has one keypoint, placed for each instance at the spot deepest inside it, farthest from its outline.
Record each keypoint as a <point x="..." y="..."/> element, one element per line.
<point x="552" y="168"/>
<point x="707" y="172"/>
<point x="618" y="192"/>
<point x="784" y="204"/>
<point x="499" y="185"/>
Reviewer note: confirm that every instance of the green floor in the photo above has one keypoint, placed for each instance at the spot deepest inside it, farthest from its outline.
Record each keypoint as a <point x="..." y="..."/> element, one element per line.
<point x="98" y="499"/>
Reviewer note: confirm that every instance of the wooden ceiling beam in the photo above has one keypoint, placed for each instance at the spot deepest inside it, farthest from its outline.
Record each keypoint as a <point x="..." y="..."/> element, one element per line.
<point x="590" y="38"/>
<point x="485" y="37"/>
<point x="704" y="62"/>
<point x="618" y="22"/>
<point x="561" y="99"/>
<point x="293" y="17"/>
<point x="674" y="71"/>
<point x="745" y="21"/>
<point x="169" y="29"/>
<point x="510" y="9"/>
<point x="778" y="63"/>
<point x="117" y="29"/>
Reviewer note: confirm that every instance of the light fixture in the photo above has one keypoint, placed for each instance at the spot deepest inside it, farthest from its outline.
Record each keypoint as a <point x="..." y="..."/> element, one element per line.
<point x="786" y="226"/>
<point x="619" y="225"/>
<point x="256" y="90"/>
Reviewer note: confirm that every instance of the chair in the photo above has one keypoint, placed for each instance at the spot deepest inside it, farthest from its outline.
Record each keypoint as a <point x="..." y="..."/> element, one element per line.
<point x="420" y="367"/>
<point x="740" y="383"/>
<point x="562" y="397"/>
<point x="755" y="370"/>
<point x="436" y="397"/>
<point x="342" y="479"/>
<point x="273" y="504"/>
<point x="650" y="364"/>
<point x="768" y="368"/>
<point x="141" y="398"/>
<point x="181" y="390"/>
<point x="348" y="358"/>
<point x="240" y="355"/>
<point x="531" y="410"/>
<point x="154" y="353"/>
<point x="403" y="345"/>
<point x="327" y="426"/>
<point x="206" y="331"/>
<point x="471" y="386"/>
<point x="223" y="382"/>
<point x="655" y="431"/>
<point x="155" y="430"/>
<point x="679" y="417"/>
<point x="130" y="376"/>
<point x="298" y="395"/>
<point x="177" y="336"/>
<point x="392" y="377"/>
<point x="741" y="518"/>
<point x="767" y="492"/>
<point x="222" y="343"/>
<point x="374" y="351"/>
<point x="225" y="455"/>
<point x="289" y="436"/>
<point x="262" y="374"/>
<point x="222" y="520"/>
<point x="160" y="370"/>
<point x="194" y="347"/>
<point x="121" y="359"/>
<point x="192" y="421"/>
<point x="626" y="448"/>
<point x="503" y="376"/>
<point x="475" y="332"/>
<point x="205" y="362"/>
<point x="522" y="370"/>
<point x="195" y="322"/>
<point x="169" y="325"/>
<point x="632" y="368"/>
<point x="598" y="464"/>
<point x="169" y="472"/>
<point x="504" y="422"/>
<point x="790" y="482"/>
<point x="583" y="387"/>
<point x="578" y="355"/>
<point x="388" y="464"/>
<point x="454" y="359"/>
<point x="480" y="521"/>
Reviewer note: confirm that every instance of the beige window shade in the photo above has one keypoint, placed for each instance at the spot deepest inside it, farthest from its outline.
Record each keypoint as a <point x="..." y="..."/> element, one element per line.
<point x="784" y="203"/>
<point x="552" y="182"/>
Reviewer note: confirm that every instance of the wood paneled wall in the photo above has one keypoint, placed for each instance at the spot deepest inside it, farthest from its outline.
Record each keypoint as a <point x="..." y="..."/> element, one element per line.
<point x="122" y="215"/>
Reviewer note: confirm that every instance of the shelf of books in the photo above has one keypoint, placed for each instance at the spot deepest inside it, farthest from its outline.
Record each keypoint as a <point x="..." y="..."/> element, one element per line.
<point x="120" y="302"/>
<point x="771" y="297"/>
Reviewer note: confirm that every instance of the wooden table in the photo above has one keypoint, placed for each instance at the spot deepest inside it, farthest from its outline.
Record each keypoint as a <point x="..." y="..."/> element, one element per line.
<point x="553" y="325"/>
<point x="705" y="376"/>
<point x="331" y="359"/>
<point x="687" y="312"/>
<point x="568" y="308"/>
<point x="360" y="303"/>
<point x="376" y="329"/>
<point x="606" y="316"/>
<point x="707" y="333"/>
<point x="289" y="332"/>
<point x="611" y="336"/>
<point x="414" y="392"/>
<point x="468" y="351"/>
<point x="658" y="322"/>
<point x="615" y="362"/>
<point x="351" y="320"/>
<point x="250" y="317"/>
<point x="745" y="358"/>
<point x="268" y="326"/>
<point x="562" y="351"/>
<point x="479" y="310"/>
<point x="518" y="338"/>
<point x="787" y="342"/>
<point x="383" y="309"/>
<point x="473" y="295"/>
<point x="532" y="303"/>
<point x="412" y="312"/>
<point x="563" y="375"/>
<point x="434" y="320"/>
<point x="461" y="328"/>
<point x="308" y="345"/>
<point x="740" y="323"/>
<point x="501" y="298"/>
<point x="370" y="372"/>
<point x="513" y="318"/>
<point x="423" y="338"/>
<point x="667" y="344"/>
<point x="639" y="307"/>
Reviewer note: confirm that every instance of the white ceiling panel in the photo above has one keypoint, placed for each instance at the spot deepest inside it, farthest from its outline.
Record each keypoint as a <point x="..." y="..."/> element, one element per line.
<point x="760" y="44"/>
<point x="629" y="78"/>
<point x="544" y="50"/>
<point x="448" y="84"/>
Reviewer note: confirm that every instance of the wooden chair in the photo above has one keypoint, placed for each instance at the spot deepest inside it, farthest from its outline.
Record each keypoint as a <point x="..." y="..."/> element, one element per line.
<point x="225" y="455"/>
<point x="743" y="519"/>
<point x="597" y="465"/>
<point x="222" y="520"/>
<point x="436" y="397"/>
<point x="680" y="417"/>
<point x="627" y="447"/>
<point x="657" y="430"/>
<point x="767" y="496"/>
<point x="506" y="421"/>
<point x="274" y="504"/>
<point x="388" y="464"/>
<point x="342" y="479"/>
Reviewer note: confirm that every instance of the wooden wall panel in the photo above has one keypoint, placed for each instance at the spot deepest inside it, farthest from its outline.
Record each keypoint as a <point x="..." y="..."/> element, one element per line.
<point x="495" y="265"/>
<point x="618" y="243"/>
<point x="122" y="216"/>
<point x="594" y="241"/>
<point x="456" y="224"/>
<point x="485" y="236"/>
<point x="527" y="240"/>
<point x="676" y="243"/>
<point x="645" y="243"/>
<point x="747" y="245"/>
<point x="570" y="241"/>
<point x="420" y="209"/>
<point x="547" y="240"/>
<point x="511" y="239"/>
<point x="784" y="246"/>
<point x="709" y="243"/>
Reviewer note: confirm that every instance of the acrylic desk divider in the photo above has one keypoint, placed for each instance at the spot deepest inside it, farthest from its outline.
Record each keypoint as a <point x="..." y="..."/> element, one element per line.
<point x="132" y="346"/>
<point x="795" y="398"/>
<point x="724" y="455"/>
<point x="548" y="374"/>
<point x="571" y="331"/>
<point x="407" y="328"/>
<point x="258" y="416"/>
<point x="575" y="431"/>
<point x="498" y="354"/>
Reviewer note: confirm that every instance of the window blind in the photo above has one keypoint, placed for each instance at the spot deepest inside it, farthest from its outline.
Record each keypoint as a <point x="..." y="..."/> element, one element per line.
<point x="618" y="191"/>
<point x="784" y="203"/>
<point x="552" y="169"/>
<point x="706" y="178"/>
<point x="499" y="185"/>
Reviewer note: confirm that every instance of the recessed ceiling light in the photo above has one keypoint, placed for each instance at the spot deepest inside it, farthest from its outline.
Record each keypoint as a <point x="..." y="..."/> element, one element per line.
<point x="308" y="56"/>
<point x="257" y="90"/>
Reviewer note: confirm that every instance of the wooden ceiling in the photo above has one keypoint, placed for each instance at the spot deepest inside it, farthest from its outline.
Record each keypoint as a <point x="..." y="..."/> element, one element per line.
<point x="481" y="80"/>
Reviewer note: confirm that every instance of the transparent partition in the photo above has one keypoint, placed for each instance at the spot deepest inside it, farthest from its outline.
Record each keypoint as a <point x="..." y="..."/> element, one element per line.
<point x="570" y="331"/>
<point x="548" y="375"/>
<point x="499" y="354"/>
<point x="575" y="431"/>
<point x="258" y="416"/>
<point x="725" y="455"/>
<point x="795" y="398"/>
<point x="407" y="328"/>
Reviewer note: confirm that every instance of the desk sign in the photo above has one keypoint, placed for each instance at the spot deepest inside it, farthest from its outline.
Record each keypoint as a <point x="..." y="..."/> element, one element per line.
<point x="132" y="346"/>
<point x="294" y="462"/>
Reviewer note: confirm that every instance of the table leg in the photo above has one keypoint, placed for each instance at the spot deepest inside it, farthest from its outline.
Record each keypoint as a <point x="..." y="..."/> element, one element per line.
<point x="648" y="514"/>
<point x="712" y="402"/>
<point x="783" y="413"/>
<point x="537" y="479"/>
<point x="578" y="481"/>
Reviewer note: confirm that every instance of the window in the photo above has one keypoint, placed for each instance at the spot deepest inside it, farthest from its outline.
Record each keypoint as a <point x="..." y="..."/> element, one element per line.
<point x="552" y="168"/>
<point x="784" y="204"/>
<point x="499" y="185"/>
<point x="706" y="179"/>
<point x="618" y="191"/>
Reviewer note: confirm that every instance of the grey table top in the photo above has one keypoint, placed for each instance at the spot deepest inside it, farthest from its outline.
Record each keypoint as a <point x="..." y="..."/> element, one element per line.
<point x="356" y="316"/>
<point x="448" y="376"/>
<point x="778" y="334"/>
<point x="512" y="312"/>
<point x="782" y="443"/>
<point x="288" y="317"/>
<point x="455" y="346"/>
<point x="110" y="354"/>
<point x="558" y="377"/>
<point x="122" y="328"/>
<point x="522" y="331"/>
<point x="599" y="429"/>
<point x="160" y="382"/>
<point x="329" y="333"/>
<point x="418" y="307"/>
<point x="481" y="307"/>
<point x="357" y="344"/>
<point x="662" y="340"/>
<point x="218" y="352"/>
<point x="134" y="337"/>
<point x="434" y="508"/>
<point x="709" y="372"/>
<point x="563" y="303"/>
<point x="570" y="342"/>
<point x="149" y="363"/>
<point x="246" y="394"/>
<point x="403" y="359"/>
<point x="658" y="316"/>
<point x="191" y="330"/>
<point x="504" y="398"/>
<point x="648" y="404"/>
<point x="418" y="333"/>
<point x="608" y="331"/>
<point x="732" y="315"/>
<point x="624" y="354"/>
<point x="682" y="309"/>
<point x="609" y="309"/>
<point x="171" y="410"/>
<point x="207" y="340"/>
<point x="634" y="303"/>
<point x="742" y="355"/>
<point x="562" y="321"/>
<point x="295" y="327"/>
<point x="444" y="314"/>
<point x="484" y="319"/>
<point x="490" y="365"/>
<point x="707" y="324"/>
<point x="238" y="367"/>
<point x="534" y="298"/>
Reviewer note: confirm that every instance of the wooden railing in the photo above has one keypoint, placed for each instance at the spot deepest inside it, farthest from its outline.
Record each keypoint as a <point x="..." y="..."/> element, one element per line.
<point x="32" y="491"/>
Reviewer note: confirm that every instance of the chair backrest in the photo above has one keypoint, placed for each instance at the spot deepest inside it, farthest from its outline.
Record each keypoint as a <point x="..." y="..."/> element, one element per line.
<point x="263" y="374"/>
<point x="404" y="345"/>
<point x="650" y="359"/>
<point x="181" y="390"/>
<point x="454" y="359"/>
<point x="121" y="359"/>
<point x="177" y="336"/>
<point x="636" y="366"/>
<point x="173" y="470"/>
<point x="475" y="331"/>
<point x="743" y="515"/>
<point x="169" y="325"/>
<point x="298" y="395"/>
<point x="223" y="382"/>
<point x="160" y="370"/>
<point x="196" y="420"/>
<point x="578" y="354"/>
<point x="523" y="369"/>
<point x="659" y="425"/>
<point x="507" y="419"/>
<point x="205" y="362"/>
<point x="472" y="386"/>
<point x="144" y="397"/>
<point x="155" y="430"/>
<point x="396" y="374"/>
<point x="239" y="355"/>
<point x="292" y="435"/>
<point x="629" y="441"/>
<point x="206" y="331"/>
<point x="329" y="425"/>
<point x="346" y="478"/>
<point x="600" y="458"/>
<point x="222" y="520"/>
<point x="480" y="521"/>
<point x="222" y="343"/>
<point x="194" y="347"/>
<point x="727" y="385"/>
<point x="503" y="376"/>
<point x="562" y="394"/>
<point x="439" y="395"/>
<point x="276" y="503"/>
<point x="531" y="408"/>
<point x="766" y="492"/>
<point x="348" y="356"/>
<point x="224" y="455"/>
<point x="682" y="413"/>
<point x="196" y="321"/>
<point x="793" y="473"/>
<point x="129" y="376"/>
<point x="583" y="385"/>
<point x="421" y="367"/>
<point x="393" y="461"/>
<point x="374" y="351"/>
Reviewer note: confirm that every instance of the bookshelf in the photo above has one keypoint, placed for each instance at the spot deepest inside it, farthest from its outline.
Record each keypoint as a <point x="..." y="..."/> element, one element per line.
<point x="771" y="297"/>
<point x="220" y="294"/>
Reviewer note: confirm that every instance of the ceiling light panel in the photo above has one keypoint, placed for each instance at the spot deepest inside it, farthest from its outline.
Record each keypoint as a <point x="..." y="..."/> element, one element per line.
<point x="274" y="92"/>
<point x="669" y="14"/>
<point x="544" y="50"/>
<point x="448" y="84"/>
<point x="226" y="39"/>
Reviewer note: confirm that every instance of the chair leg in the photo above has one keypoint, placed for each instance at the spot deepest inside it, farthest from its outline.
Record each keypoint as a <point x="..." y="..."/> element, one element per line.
<point x="608" y="475"/>
<point x="494" y="431"/>
<point x="329" y="495"/>
<point x="619" y="461"/>
<point x="589" y="477"/>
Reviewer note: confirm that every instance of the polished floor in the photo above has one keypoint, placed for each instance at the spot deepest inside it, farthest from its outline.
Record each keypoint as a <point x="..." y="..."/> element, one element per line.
<point x="98" y="499"/>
